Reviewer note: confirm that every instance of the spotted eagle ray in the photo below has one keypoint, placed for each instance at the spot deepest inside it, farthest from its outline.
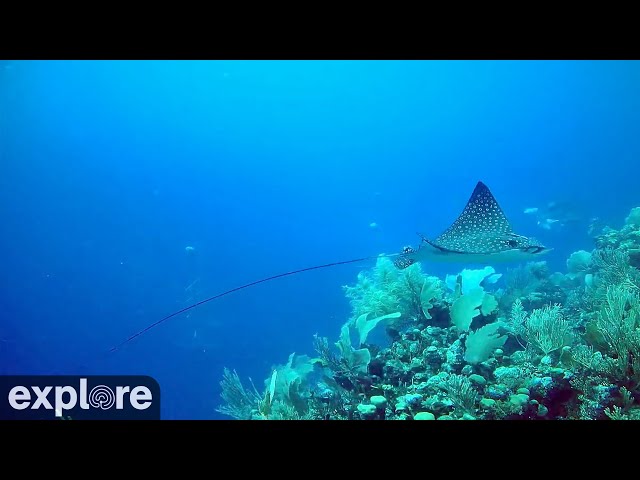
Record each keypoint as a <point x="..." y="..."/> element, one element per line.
<point x="480" y="234"/>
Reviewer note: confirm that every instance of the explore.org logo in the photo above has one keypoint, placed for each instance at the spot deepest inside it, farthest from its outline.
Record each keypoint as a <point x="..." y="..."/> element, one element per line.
<point x="99" y="397"/>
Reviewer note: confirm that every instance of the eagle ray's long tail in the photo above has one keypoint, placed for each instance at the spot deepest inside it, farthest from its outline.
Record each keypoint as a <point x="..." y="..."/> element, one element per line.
<point x="241" y="287"/>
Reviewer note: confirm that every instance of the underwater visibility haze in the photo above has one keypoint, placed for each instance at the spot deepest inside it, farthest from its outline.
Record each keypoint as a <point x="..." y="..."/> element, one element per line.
<point x="483" y="216"/>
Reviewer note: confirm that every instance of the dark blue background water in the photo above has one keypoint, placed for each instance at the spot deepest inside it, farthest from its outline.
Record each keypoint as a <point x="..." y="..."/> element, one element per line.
<point x="108" y="170"/>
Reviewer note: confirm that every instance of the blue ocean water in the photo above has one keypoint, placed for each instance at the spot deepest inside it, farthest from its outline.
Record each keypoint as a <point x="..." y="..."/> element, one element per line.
<point x="109" y="170"/>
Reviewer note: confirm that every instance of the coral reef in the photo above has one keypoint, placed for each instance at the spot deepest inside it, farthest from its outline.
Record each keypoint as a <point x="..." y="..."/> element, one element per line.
<point x="526" y="344"/>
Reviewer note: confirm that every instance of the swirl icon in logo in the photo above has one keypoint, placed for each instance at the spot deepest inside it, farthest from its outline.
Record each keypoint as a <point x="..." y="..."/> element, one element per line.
<point x="102" y="397"/>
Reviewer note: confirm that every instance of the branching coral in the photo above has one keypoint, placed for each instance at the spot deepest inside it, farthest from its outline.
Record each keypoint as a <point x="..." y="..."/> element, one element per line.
<point x="462" y="393"/>
<point x="545" y="328"/>
<point x="240" y="403"/>
<point x="387" y="290"/>
<point x="613" y="268"/>
<point x="618" y="323"/>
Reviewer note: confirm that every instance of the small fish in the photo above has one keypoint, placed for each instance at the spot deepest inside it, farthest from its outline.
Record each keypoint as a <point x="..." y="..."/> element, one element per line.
<point x="481" y="234"/>
<point x="548" y="223"/>
<point x="555" y="215"/>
